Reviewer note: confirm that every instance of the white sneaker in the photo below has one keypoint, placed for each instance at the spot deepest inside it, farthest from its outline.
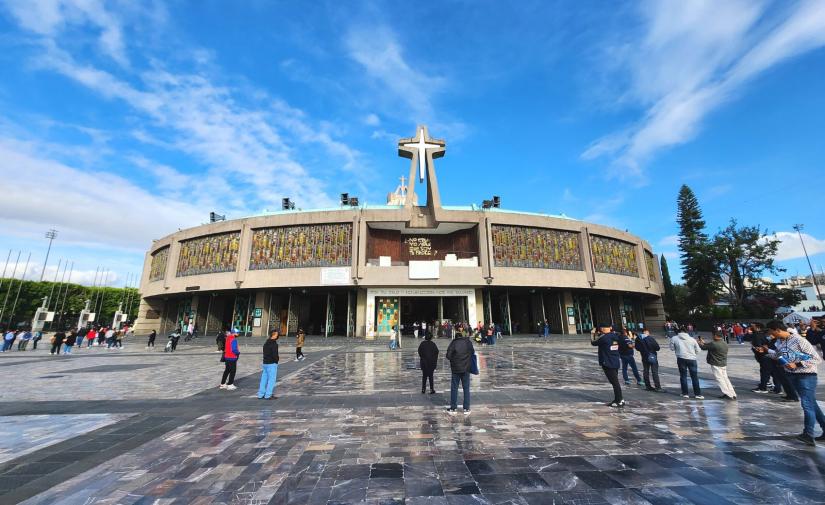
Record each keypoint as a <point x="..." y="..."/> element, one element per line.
<point x="466" y="412"/>
<point x="685" y="396"/>
<point x="231" y="387"/>
<point x="452" y="412"/>
<point x="699" y="397"/>
<point x="222" y="386"/>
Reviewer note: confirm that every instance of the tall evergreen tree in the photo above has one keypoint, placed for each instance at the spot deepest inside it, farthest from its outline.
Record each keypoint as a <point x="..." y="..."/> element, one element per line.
<point x="698" y="265"/>
<point x="670" y="297"/>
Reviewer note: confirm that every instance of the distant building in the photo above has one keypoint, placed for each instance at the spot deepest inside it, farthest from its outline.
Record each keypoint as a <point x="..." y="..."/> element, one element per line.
<point x="361" y="270"/>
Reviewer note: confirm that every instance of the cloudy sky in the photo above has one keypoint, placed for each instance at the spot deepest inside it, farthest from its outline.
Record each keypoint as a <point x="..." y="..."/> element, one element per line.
<point x="121" y="122"/>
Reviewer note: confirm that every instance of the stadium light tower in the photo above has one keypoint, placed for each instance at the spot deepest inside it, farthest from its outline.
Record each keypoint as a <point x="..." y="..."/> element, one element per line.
<point x="798" y="228"/>
<point x="51" y="235"/>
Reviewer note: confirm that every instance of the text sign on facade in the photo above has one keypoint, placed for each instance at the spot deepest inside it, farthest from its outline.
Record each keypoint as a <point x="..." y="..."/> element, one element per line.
<point x="419" y="246"/>
<point x="336" y="276"/>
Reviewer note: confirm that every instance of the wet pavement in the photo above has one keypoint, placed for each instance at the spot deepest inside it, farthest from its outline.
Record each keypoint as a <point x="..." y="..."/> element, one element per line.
<point x="350" y="426"/>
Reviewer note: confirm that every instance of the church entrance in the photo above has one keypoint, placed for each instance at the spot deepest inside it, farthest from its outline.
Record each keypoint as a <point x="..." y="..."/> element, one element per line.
<point x="418" y="309"/>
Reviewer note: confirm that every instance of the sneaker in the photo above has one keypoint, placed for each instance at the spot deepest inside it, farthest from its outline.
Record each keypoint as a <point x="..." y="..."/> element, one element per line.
<point x="760" y="391"/>
<point x="452" y="412"/>
<point x="685" y="396"/>
<point x="627" y="383"/>
<point x="231" y="387"/>
<point x="423" y="391"/>
<point x="775" y="391"/>
<point x="222" y="386"/>
<point x="699" y="397"/>
<point x="650" y="389"/>
<point x="432" y="391"/>
<point x="466" y="412"/>
<point x="660" y="390"/>
<point x="616" y="404"/>
<point x="821" y="438"/>
<point x="806" y="439"/>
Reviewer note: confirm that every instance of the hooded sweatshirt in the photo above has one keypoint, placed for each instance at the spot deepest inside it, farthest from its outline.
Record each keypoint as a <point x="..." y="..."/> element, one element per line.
<point x="684" y="346"/>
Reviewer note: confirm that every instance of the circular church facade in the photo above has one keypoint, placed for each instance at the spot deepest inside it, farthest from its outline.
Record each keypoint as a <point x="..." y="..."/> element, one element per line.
<point x="358" y="271"/>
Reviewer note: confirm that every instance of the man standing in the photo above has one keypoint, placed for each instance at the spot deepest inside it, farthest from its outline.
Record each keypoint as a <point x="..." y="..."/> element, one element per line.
<point x="269" y="368"/>
<point x="718" y="361"/>
<point x="686" y="349"/>
<point x="800" y="359"/>
<point x="738" y="332"/>
<point x="428" y="353"/>
<point x="460" y="354"/>
<point x="648" y="347"/>
<point x="608" y="344"/>
<point x="626" y="351"/>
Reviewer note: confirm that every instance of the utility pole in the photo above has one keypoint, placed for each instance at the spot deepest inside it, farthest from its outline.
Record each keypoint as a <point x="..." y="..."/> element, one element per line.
<point x="5" y="267"/>
<point x="66" y="294"/>
<point x="17" y="296"/>
<point x="11" y="283"/>
<point x="798" y="228"/>
<point x="51" y="235"/>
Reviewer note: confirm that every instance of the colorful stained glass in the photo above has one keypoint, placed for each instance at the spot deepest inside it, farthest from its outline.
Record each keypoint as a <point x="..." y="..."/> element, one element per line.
<point x="387" y="315"/>
<point x="210" y="254"/>
<point x="528" y="247"/>
<point x="611" y="256"/>
<point x="652" y="271"/>
<point x="160" y="259"/>
<point x="318" y="245"/>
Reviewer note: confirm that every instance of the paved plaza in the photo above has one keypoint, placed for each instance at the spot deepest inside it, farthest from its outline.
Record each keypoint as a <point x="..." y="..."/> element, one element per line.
<point x="350" y="426"/>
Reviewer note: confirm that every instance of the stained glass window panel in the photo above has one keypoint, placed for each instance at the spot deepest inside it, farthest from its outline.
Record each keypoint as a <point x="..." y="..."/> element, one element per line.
<point x="652" y="271"/>
<point x="529" y="247"/>
<point x="210" y="254"/>
<point x="611" y="256"/>
<point x="318" y="245"/>
<point x="157" y="269"/>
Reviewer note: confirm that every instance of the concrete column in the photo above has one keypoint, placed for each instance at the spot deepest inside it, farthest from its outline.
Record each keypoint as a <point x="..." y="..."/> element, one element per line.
<point x="245" y="249"/>
<point x="641" y="260"/>
<point x="654" y="314"/>
<point x="149" y="316"/>
<point x="260" y="300"/>
<point x="587" y="256"/>
<point x="361" y="312"/>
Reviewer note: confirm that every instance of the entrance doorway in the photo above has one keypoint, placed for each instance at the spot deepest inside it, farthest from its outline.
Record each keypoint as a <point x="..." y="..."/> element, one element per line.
<point x="418" y="309"/>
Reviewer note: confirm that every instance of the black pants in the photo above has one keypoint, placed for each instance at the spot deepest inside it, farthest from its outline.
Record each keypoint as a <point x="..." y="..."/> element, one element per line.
<point x="34" y="342"/>
<point x="765" y="372"/>
<point x="612" y="375"/>
<point x="781" y="377"/>
<point x="175" y="345"/>
<point x="229" y="372"/>
<point x="56" y="347"/>
<point x="649" y="368"/>
<point x="427" y="374"/>
<point x="151" y="342"/>
<point x="298" y="352"/>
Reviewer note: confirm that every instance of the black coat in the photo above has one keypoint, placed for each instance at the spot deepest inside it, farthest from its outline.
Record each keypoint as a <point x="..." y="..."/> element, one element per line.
<point x="459" y="352"/>
<point x="428" y="352"/>
<point x="271" y="352"/>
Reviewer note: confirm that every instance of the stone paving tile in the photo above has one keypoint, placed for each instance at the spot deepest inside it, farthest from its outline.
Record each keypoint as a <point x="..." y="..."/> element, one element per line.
<point x="22" y="435"/>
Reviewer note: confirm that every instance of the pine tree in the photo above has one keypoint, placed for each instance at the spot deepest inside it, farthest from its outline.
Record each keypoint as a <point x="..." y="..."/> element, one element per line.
<point x="698" y="265"/>
<point x="669" y="300"/>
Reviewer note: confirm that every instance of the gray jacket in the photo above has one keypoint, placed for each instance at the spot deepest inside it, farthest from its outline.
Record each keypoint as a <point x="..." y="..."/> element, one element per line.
<point x="685" y="346"/>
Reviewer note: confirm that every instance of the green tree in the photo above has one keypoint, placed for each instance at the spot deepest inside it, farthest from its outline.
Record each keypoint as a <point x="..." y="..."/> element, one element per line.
<point x="699" y="269"/>
<point x="669" y="300"/>
<point x="743" y="255"/>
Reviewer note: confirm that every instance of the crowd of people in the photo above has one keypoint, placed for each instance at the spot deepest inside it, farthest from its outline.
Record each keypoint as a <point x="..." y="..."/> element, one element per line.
<point x="786" y="355"/>
<point x="67" y="340"/>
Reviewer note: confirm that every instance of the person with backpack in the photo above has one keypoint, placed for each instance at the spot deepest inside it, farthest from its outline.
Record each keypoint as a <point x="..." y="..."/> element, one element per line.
<point x="648" y="349"/>
<point x="626" y="354"/>
<point x="608" y="343"/>
<point x="230" y="355"/>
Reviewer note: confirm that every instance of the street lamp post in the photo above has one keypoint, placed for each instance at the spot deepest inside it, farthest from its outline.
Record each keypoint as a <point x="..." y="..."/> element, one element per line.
<point x="51" y="235"/>
<point x="798" y="228"/>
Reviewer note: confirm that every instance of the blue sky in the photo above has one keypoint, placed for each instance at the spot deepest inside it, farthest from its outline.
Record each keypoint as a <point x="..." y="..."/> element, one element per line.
<point x="121" y="121"/>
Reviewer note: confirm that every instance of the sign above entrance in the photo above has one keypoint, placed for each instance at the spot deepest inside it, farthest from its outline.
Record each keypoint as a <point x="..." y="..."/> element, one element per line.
<point x="421" y="292"/>
<point x="336" y="276"/>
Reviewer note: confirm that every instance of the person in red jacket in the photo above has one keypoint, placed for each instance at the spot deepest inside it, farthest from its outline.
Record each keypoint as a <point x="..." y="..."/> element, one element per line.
<point x="230" y="362"/>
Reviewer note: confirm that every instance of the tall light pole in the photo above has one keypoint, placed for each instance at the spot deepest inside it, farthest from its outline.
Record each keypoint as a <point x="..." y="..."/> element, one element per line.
<point x="798" y="228"/>
<point x="51" y="235"/>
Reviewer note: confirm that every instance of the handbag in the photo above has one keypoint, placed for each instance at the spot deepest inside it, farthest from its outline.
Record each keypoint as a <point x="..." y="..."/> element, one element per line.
<point x="474" y="364"/>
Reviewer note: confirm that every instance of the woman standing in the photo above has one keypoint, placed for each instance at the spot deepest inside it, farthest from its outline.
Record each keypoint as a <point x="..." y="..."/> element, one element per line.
<point x="428" y="352"/>
<point x="71" y="338"/>
<point x="269" y="369"/>
<point x="57" y="341"/>
<point x="230" y="362"/>
<point x="299" y="345"/>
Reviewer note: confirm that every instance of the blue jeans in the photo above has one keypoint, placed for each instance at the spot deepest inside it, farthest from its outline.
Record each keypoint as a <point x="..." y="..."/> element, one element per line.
<point x="689" y="366"/>
<point x="67" y="349"/>
<point x="805" y="386"/>
<point x="7" y="345"/>
<point x="630" y="360"/>
<point x="269" y="376"/>
<point x="464" y="379"/>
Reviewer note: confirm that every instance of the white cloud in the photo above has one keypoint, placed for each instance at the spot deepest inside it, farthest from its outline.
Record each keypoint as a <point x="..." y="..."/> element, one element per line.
<point x="791" y="248"/>
<point x="694" y="57"/>
<point x="66" y="273"/>
<point x="372" y="120"/>
<point x="670" y="240"/>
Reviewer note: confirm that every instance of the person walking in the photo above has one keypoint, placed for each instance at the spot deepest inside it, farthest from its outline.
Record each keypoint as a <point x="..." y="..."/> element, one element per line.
<point x="25" y="338"/>
<point x="428" y="353"/>
<point x="460" y="354"/>
<point x="57" y="341"/>
<point x="686" y="349"/>
<point x="71" y="338"/>
<point x="110" y="338"/>
<point x="269" y="368"/>
<point x="801" y="360"/>
<point x="609" y="359"/>
<point x="299" y="345"/>
<point x="718" y="361"/>
<point x="230" y="356"/>
<point x="648" y="348"/>
<point x="627" y="346"/>
<point x="152" y="336"/>
<point x="38" y="335"/>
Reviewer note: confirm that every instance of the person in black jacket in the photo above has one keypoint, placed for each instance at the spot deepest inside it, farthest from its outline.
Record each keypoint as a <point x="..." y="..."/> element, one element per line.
<point x="428" y="352"/>
<point x="648" y="347"/>
<point x="460" y="353"/>
<point x="608" y="343"/>
<point x="57" y="341"/>
<point x="269" y="373"/>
